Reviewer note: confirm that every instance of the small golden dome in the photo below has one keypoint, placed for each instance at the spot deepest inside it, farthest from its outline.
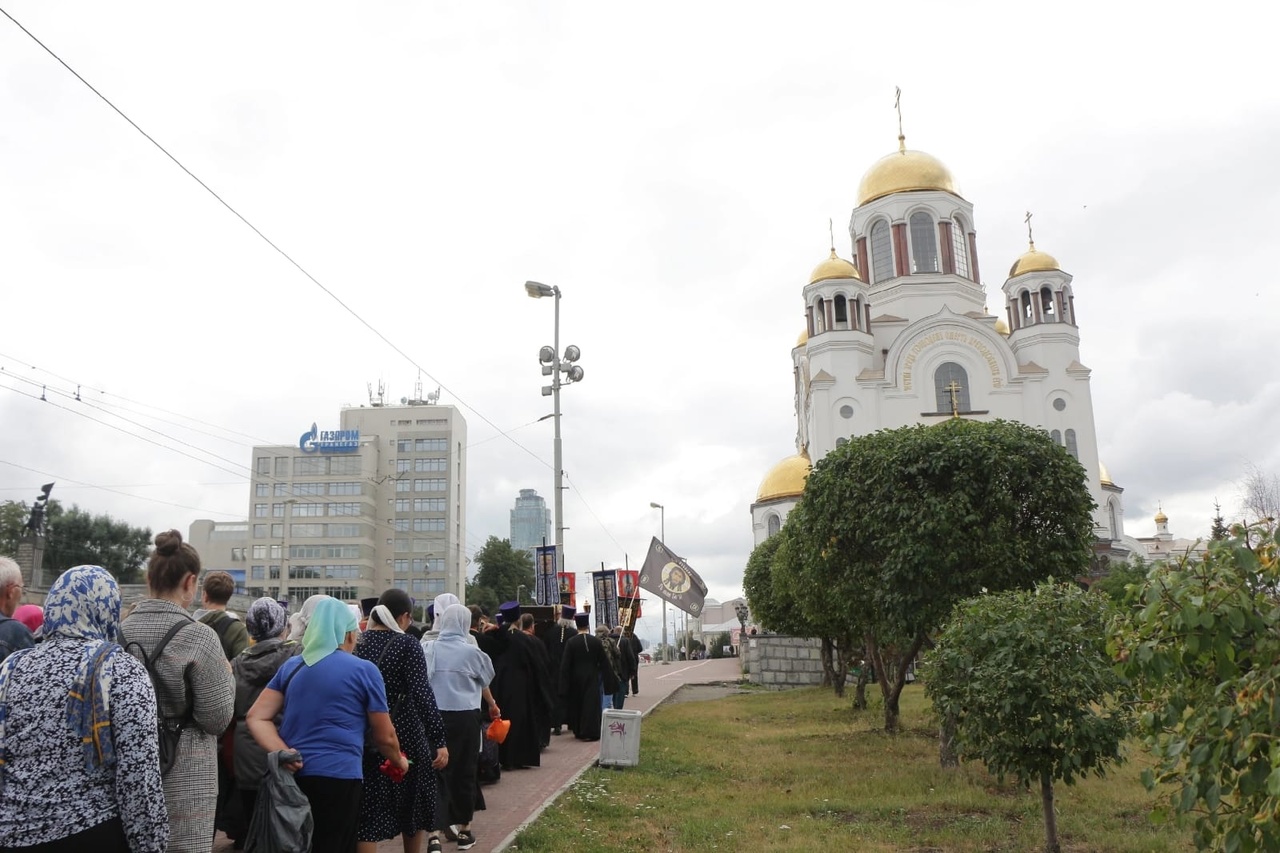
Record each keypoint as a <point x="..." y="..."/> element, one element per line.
<point x="803" y="339"/>
<point x="1161" y="518"/>
<point x="1033" y="261"/>
<point x="1104" y="476"/>
<point x="1002" y="328"/>
<point x="834" y="267"/>
<point x="786" y="479"/>
<point x="905" y="171"/>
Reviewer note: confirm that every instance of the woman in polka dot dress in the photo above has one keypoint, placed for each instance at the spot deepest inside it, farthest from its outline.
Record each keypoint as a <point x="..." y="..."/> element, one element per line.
<point x="408" y="807"/>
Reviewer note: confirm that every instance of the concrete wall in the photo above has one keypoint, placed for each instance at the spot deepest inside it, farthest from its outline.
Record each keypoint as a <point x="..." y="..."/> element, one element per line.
<point x="778" y="661"/>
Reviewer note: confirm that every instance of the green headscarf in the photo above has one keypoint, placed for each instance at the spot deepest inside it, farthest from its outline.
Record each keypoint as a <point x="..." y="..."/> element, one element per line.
<point x="328" y="627"/>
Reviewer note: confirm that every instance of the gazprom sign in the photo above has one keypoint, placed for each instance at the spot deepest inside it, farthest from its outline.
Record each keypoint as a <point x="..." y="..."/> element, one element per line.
<point x="330" y="441"/>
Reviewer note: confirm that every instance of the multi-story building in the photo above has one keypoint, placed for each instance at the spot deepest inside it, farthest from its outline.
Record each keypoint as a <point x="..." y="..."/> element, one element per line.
<point x="530" y="522"/>
<point x="379" y="501"/>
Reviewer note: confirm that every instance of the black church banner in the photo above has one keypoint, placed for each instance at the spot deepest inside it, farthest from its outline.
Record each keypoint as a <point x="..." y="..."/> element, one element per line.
<point x="605" y="587"/>
<point x="670" y="577"/>
<point x="547" y="588"/>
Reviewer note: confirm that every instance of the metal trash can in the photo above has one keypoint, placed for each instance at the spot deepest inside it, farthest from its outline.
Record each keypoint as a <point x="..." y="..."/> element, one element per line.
<point x="620" y="738"/>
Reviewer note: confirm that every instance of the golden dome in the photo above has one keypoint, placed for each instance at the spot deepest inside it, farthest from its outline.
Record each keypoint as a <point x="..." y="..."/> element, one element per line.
<point x="1104" y="476"/>
<point x="905" y="171"/>
<point x="1033" y="261"/>
<point x="803" y="339"/>
<point x="1161" y="518"/>
<point x="834" y="267"/>
<point x="786" y="479"/>
<point x="1002" y="328"/>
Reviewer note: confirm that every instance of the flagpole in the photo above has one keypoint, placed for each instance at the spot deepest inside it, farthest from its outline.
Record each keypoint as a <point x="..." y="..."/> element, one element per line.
<point x="662" y="515"/>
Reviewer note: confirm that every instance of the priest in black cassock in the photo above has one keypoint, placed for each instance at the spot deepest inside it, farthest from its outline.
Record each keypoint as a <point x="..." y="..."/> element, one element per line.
<point x="555" y="639"/>
<point x="583" y="670"/>
<point x="522" y="692"/>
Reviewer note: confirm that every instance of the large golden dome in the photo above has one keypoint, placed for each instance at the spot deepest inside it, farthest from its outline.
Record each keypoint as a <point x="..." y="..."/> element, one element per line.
<point x="1104" y="476"/>
<point x="786" y="479"/>
<point x="834" y="267"/>
<point x="905" y="171"/>
<point x="1033" y="261"/>
<point x="803" y="339"/>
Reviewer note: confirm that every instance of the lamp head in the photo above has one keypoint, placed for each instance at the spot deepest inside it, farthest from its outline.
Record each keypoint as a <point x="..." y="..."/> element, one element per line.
<point x="537" y="289"/>
<point x="655" y="505"/>
<point x="576" y="373"/>
<point x="572" y="353"/>
<point x="546" y="355"/>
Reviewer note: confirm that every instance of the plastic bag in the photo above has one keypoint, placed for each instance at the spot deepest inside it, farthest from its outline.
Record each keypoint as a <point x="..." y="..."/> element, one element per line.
<point x="497" y="730"/>
<point x="282" y="821"/>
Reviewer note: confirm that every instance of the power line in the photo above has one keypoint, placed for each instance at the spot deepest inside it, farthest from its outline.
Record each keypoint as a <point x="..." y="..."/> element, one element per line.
<point x="61" y="479"/>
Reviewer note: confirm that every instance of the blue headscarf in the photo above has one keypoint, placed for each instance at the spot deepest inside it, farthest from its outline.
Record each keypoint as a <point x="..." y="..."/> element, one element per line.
<point x="83" y="604"/>
<point x="329" y="626"/>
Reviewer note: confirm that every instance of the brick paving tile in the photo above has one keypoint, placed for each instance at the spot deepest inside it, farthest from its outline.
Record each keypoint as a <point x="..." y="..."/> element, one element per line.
<point x="521" y="795"/>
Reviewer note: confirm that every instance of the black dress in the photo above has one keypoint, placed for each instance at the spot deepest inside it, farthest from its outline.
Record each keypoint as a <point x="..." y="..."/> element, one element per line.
<point x="391" y="808"/>
<point x="522" y="692"/>
<point x="554" y="640"/>
<point x="582" y="668"/>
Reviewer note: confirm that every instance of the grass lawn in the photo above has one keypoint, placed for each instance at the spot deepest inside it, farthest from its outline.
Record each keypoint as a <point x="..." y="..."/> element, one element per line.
<point x="798" y="770"/>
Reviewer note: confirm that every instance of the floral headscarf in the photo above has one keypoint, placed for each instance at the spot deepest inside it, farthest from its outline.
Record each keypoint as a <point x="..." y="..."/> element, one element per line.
<point x="265" y="620"/>
<point x="83" y="604"/>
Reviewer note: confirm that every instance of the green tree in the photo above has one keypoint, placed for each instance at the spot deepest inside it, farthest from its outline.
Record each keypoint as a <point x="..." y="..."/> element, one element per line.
<point x="1218" y="531"/>
<point x="898" y="526"/>
<point x="1202" y="646"/>
<point x="503" y="570"/>
<point x="1115" y="585"/>
<point x="13" y="518"/>
<point x="1026" y="676"/>
<point x="718" y="644"/>
<point x="77" y="537"/>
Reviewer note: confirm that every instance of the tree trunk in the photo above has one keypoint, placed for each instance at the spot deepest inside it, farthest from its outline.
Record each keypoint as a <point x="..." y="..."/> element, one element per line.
<point x="860" y="695"/>
<point x="947" y="742"/>
<point x="892" y="690"/>
<point x="1051" y="844"/>
<point x="840" y="669"/>
<point x="827" y="674"/>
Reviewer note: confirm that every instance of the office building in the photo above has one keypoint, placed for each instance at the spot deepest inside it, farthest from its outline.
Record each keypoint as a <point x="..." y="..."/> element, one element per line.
<point x="530" y="522"/>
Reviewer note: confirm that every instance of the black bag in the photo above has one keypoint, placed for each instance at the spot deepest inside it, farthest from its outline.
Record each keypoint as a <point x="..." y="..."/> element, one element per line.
<point x="489" y="768"/>
<point x="168" y="729"/>
<point x="393" y="708"/>
<point x="282" y="820"/>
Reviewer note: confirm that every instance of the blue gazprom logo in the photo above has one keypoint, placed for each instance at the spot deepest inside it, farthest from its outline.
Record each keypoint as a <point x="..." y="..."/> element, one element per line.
<point x="329" y="441"/>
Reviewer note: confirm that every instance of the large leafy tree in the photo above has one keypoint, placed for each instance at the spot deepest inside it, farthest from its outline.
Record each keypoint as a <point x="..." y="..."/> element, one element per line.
<point x="77" y="537"/>
<point x="1202" y="646"/>
<point x="503" y="570"/>
<point x="898" y="526"/>
<point x="1027" y="677"/>
<point x="13" y="518"/>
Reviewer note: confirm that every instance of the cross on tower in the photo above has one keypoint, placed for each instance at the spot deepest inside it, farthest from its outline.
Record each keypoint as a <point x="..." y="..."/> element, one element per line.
<point x="1030" y="239"/>
<point x="954" y="388"/>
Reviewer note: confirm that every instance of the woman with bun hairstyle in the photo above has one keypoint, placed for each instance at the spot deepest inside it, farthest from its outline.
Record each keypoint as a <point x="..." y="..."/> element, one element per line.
<point x="406" y="808"/>
<point x="193" y="684"/>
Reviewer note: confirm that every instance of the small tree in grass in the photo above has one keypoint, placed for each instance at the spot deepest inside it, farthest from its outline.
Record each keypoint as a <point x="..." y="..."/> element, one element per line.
<point x="1027" y="677"/>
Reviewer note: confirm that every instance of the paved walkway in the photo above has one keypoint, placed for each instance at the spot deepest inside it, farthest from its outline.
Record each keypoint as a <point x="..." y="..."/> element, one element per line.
<point x="521" y="795"/>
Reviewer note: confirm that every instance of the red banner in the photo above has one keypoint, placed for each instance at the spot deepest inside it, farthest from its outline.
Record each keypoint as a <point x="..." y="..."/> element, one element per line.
<point x="629" y="595"/>
<point x="568" y="589"/>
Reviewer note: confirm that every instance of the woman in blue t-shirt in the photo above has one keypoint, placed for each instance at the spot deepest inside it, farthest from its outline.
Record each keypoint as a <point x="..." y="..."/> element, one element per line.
<point x="328" y="700"/>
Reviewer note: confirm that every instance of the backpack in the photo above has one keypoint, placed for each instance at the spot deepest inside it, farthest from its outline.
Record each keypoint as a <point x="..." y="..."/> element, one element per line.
<point x="168" y="729"/>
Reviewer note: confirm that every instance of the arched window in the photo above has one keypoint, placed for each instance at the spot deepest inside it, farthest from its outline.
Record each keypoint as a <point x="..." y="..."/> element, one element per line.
<point x="1027" y="313"/>
<point x="1071" y="444"/>
<point x="1115" y="519"/>
<point x="841" y="312"/>
<point x="775" y="524"/>
<point x="881" y="252"/>
<point x="924" y="243"/>
<point x="1056" y="435"/>
<point x="820" y="316"/>
<point x="1047" y="308"/>
<point x="960" y="246"/>
<point x="950" y="378"/>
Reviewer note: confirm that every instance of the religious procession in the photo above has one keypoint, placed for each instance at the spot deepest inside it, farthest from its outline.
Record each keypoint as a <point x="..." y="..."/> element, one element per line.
<point x="331" y="729"/>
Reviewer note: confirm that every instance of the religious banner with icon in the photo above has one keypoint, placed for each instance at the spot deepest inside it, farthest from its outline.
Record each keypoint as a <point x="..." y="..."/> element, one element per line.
<point x="547" y="589"/>
<point x="568" y="589"/>
<point x="605" y="588"/>
<point x="628" y="597"/>
<point x="670" y="577"/>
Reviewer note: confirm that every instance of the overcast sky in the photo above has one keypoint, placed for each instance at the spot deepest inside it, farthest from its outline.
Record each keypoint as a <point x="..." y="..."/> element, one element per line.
<point x="671" y="167"/>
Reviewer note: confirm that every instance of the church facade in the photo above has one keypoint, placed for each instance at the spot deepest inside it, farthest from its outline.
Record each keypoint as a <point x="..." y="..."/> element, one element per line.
<point x="901" y="334"/>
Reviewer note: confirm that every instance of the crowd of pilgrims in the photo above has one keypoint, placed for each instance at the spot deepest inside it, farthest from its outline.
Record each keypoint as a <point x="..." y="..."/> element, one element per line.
<point x="388" y="719"/>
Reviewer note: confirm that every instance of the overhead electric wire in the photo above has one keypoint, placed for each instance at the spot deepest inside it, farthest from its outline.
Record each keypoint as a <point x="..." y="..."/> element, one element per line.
<point x="58" y="478"/>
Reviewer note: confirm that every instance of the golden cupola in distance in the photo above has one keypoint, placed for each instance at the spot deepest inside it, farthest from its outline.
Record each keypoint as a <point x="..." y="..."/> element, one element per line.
<point x="786" y="479"/>
<point x="834" y="267"/>
<point x="905" y="171"/>
<point x="1033" y="260"/>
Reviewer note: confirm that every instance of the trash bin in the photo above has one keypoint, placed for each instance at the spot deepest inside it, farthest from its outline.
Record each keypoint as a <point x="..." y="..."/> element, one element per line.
<point x="620" y="738"/>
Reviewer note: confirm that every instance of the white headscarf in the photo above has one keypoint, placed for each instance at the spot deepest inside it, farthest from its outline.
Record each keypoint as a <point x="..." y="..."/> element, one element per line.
<point x="442" y="603"/>
<point x="386" y="619"/>
<point x="298" y="621"/>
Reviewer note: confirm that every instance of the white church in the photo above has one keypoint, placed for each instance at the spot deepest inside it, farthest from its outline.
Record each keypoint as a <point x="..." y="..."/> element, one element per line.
<point x="902" y="335"/>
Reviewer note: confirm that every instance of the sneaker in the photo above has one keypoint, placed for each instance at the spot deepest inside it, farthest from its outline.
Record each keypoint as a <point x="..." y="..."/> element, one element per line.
<point x="451" y="832"/>
<point x="466" y="840"/>
<point x="433" y="846"/>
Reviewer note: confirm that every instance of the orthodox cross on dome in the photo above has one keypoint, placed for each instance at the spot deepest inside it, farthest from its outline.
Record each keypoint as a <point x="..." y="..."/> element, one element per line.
<point x="1030" y="239"/>
<point x="897" y="105"/>
<point x="954" y="388"/>
<point x="831" y="232"/>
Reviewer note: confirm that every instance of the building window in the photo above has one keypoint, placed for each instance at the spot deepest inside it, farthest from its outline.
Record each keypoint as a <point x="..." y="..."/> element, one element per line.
<point x="282" y="466"/>
<point x="307" y="510"/>
<point x="274" y="571"/>
<point x="429" y="504"/>
<point x="435" y="586"/>
<point x="943" y="387"/>
<point x="423" y="546"/>
<point x="259" y="510"/>
<point x="276" y="552"/>
<point x="344" y="509"/>
<point x="1047" y="309"/>
<point x="261" y="490"/>
<point x="924" y="243"/>
<point x="400" y="525"/>
<point x="346" y="489"/>
<point x="403" y="465"/>
<point x="264" y="465"/>
<point x="277" y="531"/>
<point x="841" y="311"/>
<point x="404" y="445"/>
<point x="405" y="485"/>
<point x="277" y="510"/>
<point x="259" y="552"/>
<point x="402" y="546"/>
<point x="341" y="530"/>
<point x="1115" y="519"/>
<point x="308" y="490"/>
<point x="774" y="523"/>
<point x="429" y="485"/>
<point x="960" y="247"/>
<point x="281" y="490"/>
<point x="1071" y="444"/>
<point x="881" y="252"/>
<point x="403" y="504"/>
<point x="344" y="466"/>
<point x="421" y="465"/>
<point x="428" y="525"/>
<point x="431" y="444"/>
<point x="1056" y="437"/>
<point x="258" y="573"/>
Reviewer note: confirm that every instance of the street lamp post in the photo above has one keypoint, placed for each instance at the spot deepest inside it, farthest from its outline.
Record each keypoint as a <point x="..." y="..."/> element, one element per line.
<point x="662" y="516"/>
<point x="519" y="589"/>
<point x="554" y="365"/>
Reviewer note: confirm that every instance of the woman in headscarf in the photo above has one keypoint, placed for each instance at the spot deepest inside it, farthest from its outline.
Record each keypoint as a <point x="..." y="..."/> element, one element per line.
<point x="460" y="674"/>
<point x="79" y="762"/>
<point x="298" y="621"/>
<point x="326" y="699"/>
<point x="253" y="668"/>
<point x="406" y="808"/>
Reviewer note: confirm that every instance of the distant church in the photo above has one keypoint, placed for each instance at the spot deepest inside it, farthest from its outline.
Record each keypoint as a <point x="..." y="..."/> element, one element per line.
<point x="902" y="335"/>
